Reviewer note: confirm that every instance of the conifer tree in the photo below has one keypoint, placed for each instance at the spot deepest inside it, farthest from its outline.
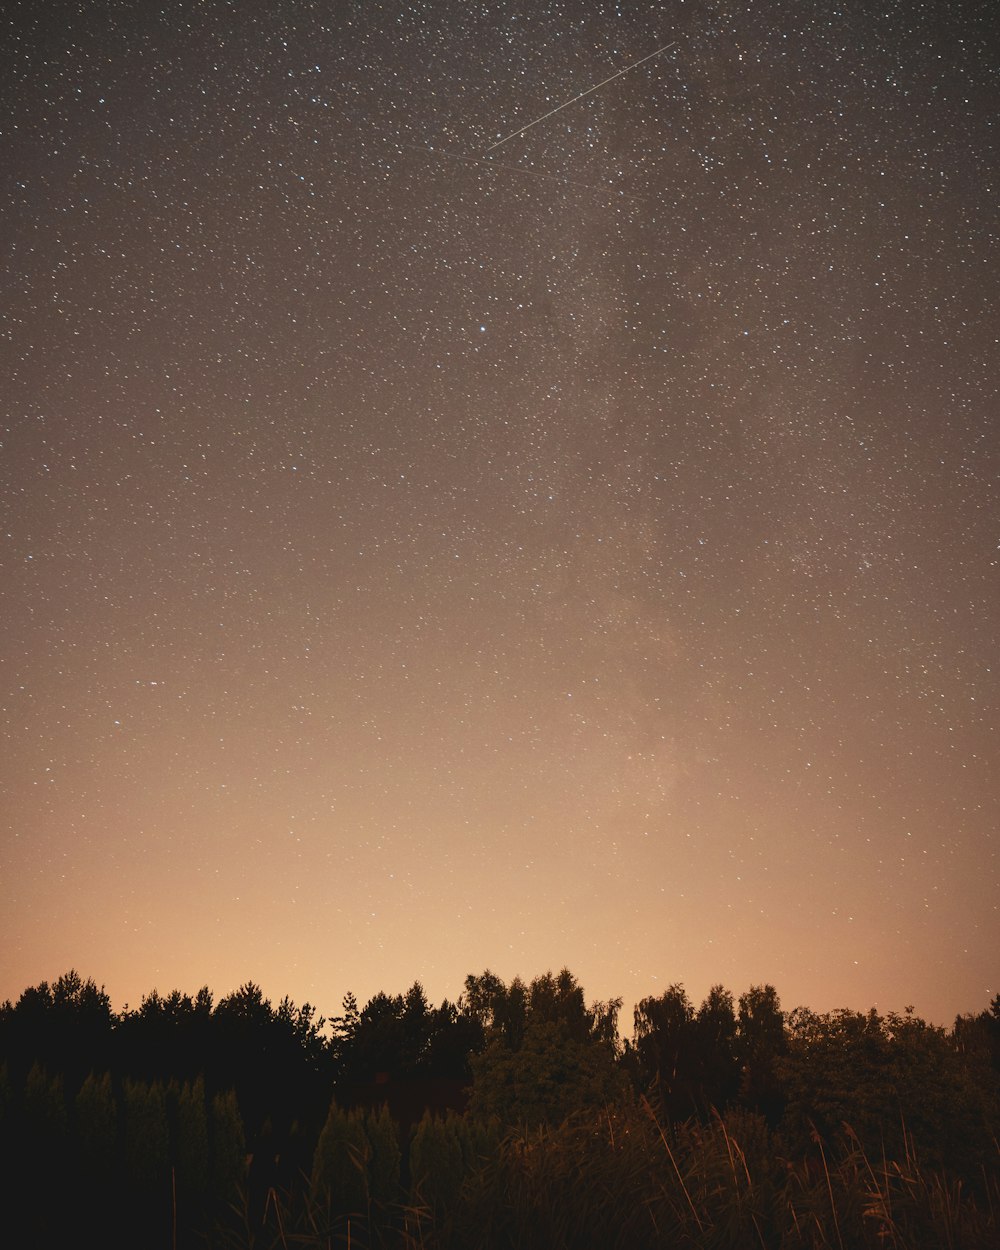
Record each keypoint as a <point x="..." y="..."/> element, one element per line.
<point x="436" y="1164"/>
<point x="97" y="1126"/>
<point x="228" y="1146"/>
<point x="384" y="1157"/>
<point x="339" y="1173"/>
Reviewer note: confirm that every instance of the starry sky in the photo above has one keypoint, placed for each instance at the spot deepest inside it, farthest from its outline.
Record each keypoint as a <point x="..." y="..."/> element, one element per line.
<point x="418" y="559"/>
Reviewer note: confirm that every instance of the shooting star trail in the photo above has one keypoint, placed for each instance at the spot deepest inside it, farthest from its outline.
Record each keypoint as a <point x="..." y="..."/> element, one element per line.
<point x="589" y="91"/>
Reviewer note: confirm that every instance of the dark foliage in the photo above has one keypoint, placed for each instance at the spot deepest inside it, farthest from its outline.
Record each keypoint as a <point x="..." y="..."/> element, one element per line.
<point x="514" y="1116"/>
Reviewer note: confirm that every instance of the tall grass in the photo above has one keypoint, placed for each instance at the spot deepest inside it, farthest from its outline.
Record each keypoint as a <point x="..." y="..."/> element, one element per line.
<point x="628" y="1179"/>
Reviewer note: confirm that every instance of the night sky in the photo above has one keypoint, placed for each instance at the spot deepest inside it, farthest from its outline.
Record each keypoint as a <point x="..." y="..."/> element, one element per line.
<point x="416" y="561"/>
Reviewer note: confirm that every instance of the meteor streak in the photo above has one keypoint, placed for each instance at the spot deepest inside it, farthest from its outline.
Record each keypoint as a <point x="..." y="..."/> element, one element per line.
<point x="589" y="91"/>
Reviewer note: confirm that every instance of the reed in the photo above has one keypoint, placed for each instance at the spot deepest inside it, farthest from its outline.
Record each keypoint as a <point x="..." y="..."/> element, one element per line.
<point x="627" y="1179"/>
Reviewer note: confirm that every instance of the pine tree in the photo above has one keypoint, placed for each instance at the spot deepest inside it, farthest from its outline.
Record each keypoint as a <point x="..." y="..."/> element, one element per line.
<point x="340" y="1164"/>
<point x="97" y="1127"/>
<point x="436" y="1164"/>
<point x="384" y="1158"/>
<point x="228" y="1146"/>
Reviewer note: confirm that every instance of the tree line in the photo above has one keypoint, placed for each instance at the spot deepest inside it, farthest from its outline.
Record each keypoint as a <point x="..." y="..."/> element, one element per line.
<point x="400" y="1122"/>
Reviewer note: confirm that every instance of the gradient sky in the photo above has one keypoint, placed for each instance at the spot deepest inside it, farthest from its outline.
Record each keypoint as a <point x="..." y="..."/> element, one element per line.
<point x="416" y="561"/>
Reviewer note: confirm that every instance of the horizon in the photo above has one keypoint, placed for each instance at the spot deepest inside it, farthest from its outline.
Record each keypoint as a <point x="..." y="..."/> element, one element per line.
<point x="120" y="1005"/>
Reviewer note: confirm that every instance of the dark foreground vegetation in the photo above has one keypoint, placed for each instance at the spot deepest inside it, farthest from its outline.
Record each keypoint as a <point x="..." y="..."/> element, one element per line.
<point x="515" y="1118"/>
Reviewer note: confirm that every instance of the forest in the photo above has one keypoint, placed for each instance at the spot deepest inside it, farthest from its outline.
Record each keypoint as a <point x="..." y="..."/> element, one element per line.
<point x="518" y="1116"/>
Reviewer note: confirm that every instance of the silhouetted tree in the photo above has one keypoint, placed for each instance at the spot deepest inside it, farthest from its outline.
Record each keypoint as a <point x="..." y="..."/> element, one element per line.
<point x="189" y="1142"/>
<point x="41" y="1164"/>
<point x="339" y="1173"/>
<point x="384" y="1159"/>
<point x="498" y="1008"/>
<point x="437" y="1167"/>
<point x="546" y="1055"/>
<point x="67" y="1028"/>
<point x="978" y="1036"/>
<point x="97" y="1128"/>
<point x="167" y="1037"/>
<point x="666" y="1041"/>
<point x="374" y="1048"/>
<point x="760" y="1044"/>
<point x="277" y="1061"/>
<point x="453" y="1038"/>
<point x="715" y="1029"/>
<point x="482" y="994"/>
<point x="98" y="1159"/>
<point x="147" y="1141"/>
<point x="898" y="1082"/>
<point x="228" y="1146"/>
<point x="154" y="1129"/>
